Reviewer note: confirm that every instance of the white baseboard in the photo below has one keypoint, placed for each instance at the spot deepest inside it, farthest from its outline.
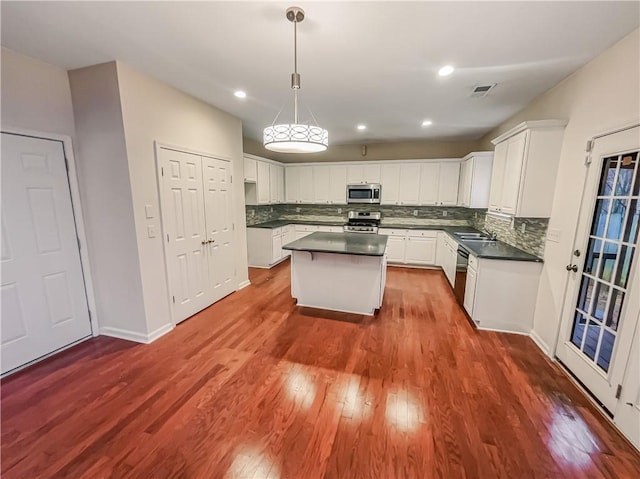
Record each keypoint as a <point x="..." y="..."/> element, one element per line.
<point x="541" y="344"/>
<point x="135" y="336"/>
<point x="243" y="285"/>
<point x="506" y="331"/>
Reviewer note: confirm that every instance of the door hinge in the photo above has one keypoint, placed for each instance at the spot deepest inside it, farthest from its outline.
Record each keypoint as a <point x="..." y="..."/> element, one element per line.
<point x="89" y="311"/>
<point x="174" y="299"/>
<point x="233" y="226"/>
<point x="162" y="171"/>
<point x="167" y="238"/>
<point x="79" y="245"/>
<point x="231" y="178"/>
<point x="66" y="163"/>
<point x="588" y="148"/>
<point x="619" y="391"/>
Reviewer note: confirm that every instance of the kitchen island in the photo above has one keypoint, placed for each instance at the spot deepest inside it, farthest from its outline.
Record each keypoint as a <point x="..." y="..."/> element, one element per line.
<point x="339" y="271"/>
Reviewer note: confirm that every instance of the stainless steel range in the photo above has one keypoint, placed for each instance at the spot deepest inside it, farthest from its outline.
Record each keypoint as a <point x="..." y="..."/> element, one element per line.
<point x="363" y="222"/>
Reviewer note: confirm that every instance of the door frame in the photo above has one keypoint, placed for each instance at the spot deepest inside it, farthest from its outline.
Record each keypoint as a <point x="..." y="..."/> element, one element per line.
<point x="157" y="145"/>
<point x="78" y="217"/>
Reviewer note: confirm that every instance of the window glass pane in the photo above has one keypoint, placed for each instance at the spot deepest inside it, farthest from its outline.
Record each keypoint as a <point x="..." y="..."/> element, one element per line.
<point x="616" y="218"/>
<point x="606" y="349"/>
<point x="578" y="329"/>
<point x="600" y="217"/>
<point x="631" y="228"/>
<point x="615" y="306"/>
<point x="625" y="176"/>
<point x="608" y="261"/>
<point x="586" y="293"/>
<point x="600" y="303"/>
<point x="591" y="341"/>
<point x="608" y="176"/>
<point x="624" y="265"/>
<point x="593" y="254"/>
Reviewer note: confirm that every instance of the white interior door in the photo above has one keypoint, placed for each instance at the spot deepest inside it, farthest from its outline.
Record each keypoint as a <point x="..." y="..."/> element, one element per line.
<point x="627" y="414"/>
<point x="44" y="304"/>
<point x="184" y="228"/>
<point x="603" y="298"/>
<point x="219" y="223"/>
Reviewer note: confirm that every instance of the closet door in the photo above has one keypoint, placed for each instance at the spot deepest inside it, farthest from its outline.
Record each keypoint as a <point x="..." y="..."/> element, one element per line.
<point x="218" y="207"/>
<point x="184" y="228"/>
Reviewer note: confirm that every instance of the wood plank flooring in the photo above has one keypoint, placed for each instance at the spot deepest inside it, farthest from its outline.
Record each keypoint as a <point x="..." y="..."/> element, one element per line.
<point x="254" y="387"/>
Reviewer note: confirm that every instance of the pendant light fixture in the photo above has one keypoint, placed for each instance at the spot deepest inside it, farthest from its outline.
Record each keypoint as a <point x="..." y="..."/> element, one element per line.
<point x="295" y="137"/>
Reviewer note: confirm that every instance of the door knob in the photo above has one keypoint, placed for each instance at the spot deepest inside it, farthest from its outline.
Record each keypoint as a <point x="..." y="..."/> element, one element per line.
<point x="572" y="267"/>
<point x="203" y="243"/>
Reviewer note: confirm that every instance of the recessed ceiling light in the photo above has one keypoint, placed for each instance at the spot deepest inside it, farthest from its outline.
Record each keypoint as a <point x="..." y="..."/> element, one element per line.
<point x="427" y="123"/>
<point x="240" y="94"/>
<point x="362" y="127"/>
<point x="445" y="71"/>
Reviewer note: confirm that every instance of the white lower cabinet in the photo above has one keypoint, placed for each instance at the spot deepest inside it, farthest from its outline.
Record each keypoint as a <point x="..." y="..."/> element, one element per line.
<point x="411" y="247"/>
<point x="264" y="245"/>
<point x="470" y="289"/>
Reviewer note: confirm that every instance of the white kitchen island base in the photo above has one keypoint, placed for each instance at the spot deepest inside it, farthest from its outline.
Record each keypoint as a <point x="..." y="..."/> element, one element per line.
<point x="338" y="282"/>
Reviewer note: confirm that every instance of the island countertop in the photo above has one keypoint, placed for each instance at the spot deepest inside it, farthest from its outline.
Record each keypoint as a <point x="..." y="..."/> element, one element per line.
<point x="340" y="243"/>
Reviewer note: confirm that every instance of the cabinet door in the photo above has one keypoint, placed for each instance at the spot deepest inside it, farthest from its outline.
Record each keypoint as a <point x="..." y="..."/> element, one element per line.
<point x="409" y="184"/>
<point x="390" y="181"/>
<point x="292" y="184"/>
<point x="306" y="184"/>
<point x="512" y="173"/>
<point x="464" y="189"/>
<point x="448" y="187"/>
<point x="263" y="182"/>
<point x="429" y="182"/>
<point x="355" y="174"/>
<point x="395" y="249"/>
<point x="338" y="184"/>
<point x="470" y="291"/>
<point x="371" y="173"/>
<point x="280" y="177"/>
<point x="250" y="169"/>
<point x="321" y="182"/>
<point x="273" y="183"/>
<point x="276" y="248"/>
<point x="497" y="175"/>
<point x="441" y="249"/>
<point x="420" y="251"/>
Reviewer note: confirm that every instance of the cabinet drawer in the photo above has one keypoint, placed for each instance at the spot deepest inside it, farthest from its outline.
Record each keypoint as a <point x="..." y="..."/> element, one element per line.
<point x="306" y="228"/>
<point x="277" y="231"/>
<point x="392" y="232"/>
<point x="422" y="234"/>
<point x="473" y="262"/>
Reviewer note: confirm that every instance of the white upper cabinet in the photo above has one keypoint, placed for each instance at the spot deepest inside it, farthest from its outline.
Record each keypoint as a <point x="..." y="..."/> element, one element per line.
<point x="525" y="169"/>
<point x="366" y="173"/>
<point x="390" y="181"/>
<point x="273" y="183"/>
<point x="409" y="184"/>
<point x="338" y="184"/>
<point x="355" y="174"/>
<point x="321" y="184"/>
<point x="280" y="183"/>
<point x="448" y="184"/>
<point x="263" y="182"/>
<point x="429" y="181"/>
<point x="475" y="180"/>
<point x="250" y="169"/>
<point x="306" y="193"/>
<point x="292" y="184"/>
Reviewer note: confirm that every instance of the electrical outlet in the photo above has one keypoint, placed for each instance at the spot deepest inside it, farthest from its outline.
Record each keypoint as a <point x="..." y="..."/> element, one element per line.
<point x="523" y="227"/>
<point x="444" y="213"/>
<point x="252" y="212"/>
<point x="415" y="212"/>
<point x="271" y="209"/>
<point x="339" y="210"/>
<point x="298" y="209"/>
<point x="475" y="215"/>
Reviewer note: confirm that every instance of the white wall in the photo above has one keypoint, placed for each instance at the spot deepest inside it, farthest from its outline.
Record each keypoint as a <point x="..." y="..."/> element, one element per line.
<point x="153" y="111"/>
<point x="35" y="95"/>
<point x="599" y="97"/>
<point x="107" y="201"/>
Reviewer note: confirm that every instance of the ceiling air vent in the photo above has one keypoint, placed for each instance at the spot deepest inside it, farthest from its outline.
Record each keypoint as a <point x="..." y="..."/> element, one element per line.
<point x="482" y="90"/>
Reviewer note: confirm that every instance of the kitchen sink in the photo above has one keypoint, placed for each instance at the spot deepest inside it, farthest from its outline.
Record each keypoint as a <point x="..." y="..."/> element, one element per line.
<point x="464" y="236"/>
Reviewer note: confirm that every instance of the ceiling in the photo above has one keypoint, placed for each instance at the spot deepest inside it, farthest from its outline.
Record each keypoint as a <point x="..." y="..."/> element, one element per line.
<point x="373" y="63"/>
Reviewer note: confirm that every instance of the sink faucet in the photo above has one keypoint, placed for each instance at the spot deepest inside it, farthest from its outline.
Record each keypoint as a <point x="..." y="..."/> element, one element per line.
<point x="492" y="235"/>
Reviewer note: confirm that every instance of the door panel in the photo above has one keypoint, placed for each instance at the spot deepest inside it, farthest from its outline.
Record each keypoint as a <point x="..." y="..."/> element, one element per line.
<point x="44" y="305"/>
<point x="448" y="188"/>
<point x="429" y="183"/>
<point x="218" y="208"/>
<point x="512" y="173"/>
<point x="497" y="175"/>
<point x="603" y="296"/>
<point x="184" y="223"/>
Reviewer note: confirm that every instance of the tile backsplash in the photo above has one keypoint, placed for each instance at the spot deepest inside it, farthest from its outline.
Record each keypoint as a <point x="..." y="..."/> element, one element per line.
<point x="507" y="230"/>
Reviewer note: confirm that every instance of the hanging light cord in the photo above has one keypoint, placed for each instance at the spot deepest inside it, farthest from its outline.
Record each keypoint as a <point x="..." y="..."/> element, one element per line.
<point x="295" y="77"/>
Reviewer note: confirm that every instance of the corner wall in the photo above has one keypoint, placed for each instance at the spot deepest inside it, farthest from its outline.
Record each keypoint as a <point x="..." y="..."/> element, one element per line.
<point x="601" y="96"/>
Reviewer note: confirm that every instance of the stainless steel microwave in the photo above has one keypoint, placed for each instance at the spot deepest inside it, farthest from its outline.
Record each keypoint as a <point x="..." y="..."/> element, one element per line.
<point x="364" y="193"/>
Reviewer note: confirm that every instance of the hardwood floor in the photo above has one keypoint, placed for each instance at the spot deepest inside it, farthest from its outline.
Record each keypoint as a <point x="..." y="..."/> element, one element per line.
<point x="254" y="387"/>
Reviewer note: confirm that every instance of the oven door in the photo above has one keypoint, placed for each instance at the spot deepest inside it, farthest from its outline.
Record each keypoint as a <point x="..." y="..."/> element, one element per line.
<point x="367" y="193"/>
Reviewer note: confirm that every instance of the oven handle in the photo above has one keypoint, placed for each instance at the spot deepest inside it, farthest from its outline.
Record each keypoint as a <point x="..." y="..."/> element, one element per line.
<point x="462" y="252"/>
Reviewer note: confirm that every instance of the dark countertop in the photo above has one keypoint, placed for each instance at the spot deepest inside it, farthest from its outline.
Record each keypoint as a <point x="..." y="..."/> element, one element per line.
<point x="341" y="243"/>
<point x="278" y="223"/>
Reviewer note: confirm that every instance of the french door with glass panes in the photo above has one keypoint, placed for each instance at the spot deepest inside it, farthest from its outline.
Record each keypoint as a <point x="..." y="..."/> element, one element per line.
<point x="603" y="298"/>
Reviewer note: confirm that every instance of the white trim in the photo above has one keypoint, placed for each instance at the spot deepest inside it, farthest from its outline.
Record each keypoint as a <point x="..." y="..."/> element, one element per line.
<point x="478" y="154"/>
<point x="527" y="125"/>
<point x="135" y="336"/>
<point x="504" y="331"/>
<point x="67" y="145"/>
<point x="161" y="331"/>
<point x="243" y="284"/>
<point x="541" y="344"/>
<point x="191" y="151"/>
<point x="359" y="162"/>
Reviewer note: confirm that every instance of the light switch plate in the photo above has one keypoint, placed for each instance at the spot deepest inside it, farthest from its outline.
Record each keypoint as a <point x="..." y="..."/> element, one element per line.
<point x="148" y="211"/>
<point x="554" y="234"/>
<point x="151" y="231"/>
<point x="444" y="213"/>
